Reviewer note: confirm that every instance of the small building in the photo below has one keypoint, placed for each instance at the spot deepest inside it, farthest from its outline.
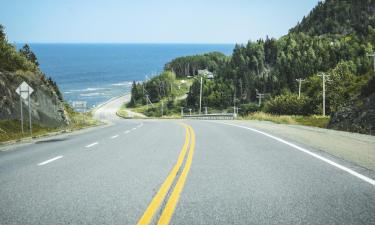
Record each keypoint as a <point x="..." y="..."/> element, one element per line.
<point x="206" y="73"/>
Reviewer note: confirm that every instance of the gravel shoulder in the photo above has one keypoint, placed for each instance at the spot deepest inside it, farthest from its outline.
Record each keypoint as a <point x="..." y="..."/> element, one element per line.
<point x="352" y="147"/>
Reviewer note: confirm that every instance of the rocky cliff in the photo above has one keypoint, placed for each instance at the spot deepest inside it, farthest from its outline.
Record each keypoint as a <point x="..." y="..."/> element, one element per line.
<point x="46" y="107"/>
<point x="359" y="116"/>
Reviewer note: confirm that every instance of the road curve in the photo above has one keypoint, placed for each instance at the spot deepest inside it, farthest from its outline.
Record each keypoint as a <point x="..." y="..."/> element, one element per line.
<point x="176" y="172"/>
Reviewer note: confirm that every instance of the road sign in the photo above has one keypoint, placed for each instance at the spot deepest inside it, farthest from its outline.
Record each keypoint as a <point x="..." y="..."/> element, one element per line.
<point x="24" y="90"/>
<point x="79" y="104"/>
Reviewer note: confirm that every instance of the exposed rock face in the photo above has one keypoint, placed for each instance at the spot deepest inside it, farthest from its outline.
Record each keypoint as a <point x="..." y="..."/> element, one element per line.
<point x="46" y="107"/>
<point x="358" y="116"/>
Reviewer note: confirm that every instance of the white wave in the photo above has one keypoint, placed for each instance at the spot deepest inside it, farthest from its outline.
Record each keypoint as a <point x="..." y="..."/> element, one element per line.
<point x="87" y="90"/>
<point x="125" y="83"/>
<point x="91" y="94"/>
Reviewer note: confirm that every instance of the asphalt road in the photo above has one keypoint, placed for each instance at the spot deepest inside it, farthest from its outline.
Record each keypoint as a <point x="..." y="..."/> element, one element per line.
<point x="177" y="172"/>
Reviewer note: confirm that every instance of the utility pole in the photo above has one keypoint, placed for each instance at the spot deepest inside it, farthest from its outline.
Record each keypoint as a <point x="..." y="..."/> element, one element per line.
<point x="372" y="55"/>
<point x="147" y="101"/>
<point x="323" y="75"/>
<point x="259" y="96"/>
<point x="200" y="97"/>
<point x="162" y="106"/>
<point x="299" y="80"/>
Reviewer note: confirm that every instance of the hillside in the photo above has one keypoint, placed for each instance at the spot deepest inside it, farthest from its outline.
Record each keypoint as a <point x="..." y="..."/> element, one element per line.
<point x="337" y="17"/>
<point x="334" y="39"/>
<point x="18" y="66"/>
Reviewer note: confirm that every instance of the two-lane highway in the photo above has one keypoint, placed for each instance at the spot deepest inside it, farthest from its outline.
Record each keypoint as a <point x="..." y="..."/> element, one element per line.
<point x="178" y="172"/>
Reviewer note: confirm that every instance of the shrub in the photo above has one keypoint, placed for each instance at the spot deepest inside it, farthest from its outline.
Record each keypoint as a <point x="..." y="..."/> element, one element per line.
<point x="245" y="109"/>
<point x="289" y="104"/>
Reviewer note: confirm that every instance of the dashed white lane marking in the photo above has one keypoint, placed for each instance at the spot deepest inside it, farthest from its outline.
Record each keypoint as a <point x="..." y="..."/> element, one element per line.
<point x="341" y="167"/>
<point x="140" y="125"/>
<point x="127" y="131"/>
<point x="134" y="128"/>
<point x="114" y="136"/>
<point x="91" y="145"/>
<point x="50" y="160"/>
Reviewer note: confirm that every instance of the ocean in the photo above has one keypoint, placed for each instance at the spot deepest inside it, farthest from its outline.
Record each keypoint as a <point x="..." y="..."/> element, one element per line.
<point x="98" y="72"/>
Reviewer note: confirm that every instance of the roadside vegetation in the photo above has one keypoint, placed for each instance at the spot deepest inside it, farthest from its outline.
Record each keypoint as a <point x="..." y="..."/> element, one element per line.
<point x="24" y="64"/>
<point x="11" y="129"/>
<point x="312" y="121"/>
<point x="334" y="39"/>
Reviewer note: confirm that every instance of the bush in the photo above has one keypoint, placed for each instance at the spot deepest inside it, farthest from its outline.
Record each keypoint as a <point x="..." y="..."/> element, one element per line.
<point x="245" y="109"/>
<point x="289" y="104"/>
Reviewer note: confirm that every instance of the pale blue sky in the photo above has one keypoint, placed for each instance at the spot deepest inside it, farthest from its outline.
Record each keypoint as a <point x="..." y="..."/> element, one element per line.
<point x="149" y="21"/>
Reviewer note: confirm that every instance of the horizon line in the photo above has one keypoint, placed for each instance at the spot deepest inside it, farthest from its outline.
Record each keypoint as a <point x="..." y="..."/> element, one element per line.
<point x="150" y="43"/>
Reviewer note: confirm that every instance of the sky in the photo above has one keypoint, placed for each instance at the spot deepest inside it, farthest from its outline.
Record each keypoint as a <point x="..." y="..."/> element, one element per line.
<point x="149" y="21"/>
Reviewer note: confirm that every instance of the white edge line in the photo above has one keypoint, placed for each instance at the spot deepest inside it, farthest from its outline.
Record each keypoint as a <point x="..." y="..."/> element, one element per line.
<point x="114" y="136"/>
<point x="91" y="145"/>
<point x="50" y="160"/>
<point x="341" y="167"/>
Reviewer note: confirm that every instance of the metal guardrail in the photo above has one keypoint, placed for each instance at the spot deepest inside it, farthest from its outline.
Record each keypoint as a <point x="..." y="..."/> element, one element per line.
<point x="218" y="116"/>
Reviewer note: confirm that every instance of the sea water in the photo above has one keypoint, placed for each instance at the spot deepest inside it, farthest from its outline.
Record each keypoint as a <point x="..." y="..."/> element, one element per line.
<point x="98" y="72"/>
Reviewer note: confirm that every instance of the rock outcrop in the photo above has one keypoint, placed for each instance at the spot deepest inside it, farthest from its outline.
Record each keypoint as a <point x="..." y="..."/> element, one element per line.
<point x="358" y="116"/>
<point x="46" y="107"/>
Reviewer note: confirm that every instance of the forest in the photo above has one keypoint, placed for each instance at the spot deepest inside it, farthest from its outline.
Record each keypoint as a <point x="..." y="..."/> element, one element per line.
<point x="335" y="38"/>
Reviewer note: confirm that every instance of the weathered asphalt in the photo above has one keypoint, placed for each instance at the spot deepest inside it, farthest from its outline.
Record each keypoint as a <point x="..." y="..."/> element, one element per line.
<point x="237" y="177"/>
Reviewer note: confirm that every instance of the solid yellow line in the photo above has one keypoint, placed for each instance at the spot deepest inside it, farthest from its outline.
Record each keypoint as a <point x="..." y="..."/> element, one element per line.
<point x="159" y="197"/>
<point x="167" y="214"/>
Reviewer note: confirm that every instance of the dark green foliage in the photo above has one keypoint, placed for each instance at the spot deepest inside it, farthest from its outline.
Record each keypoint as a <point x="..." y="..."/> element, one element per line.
<point x="289" y="104"/>
<point x="158" y="87"/>
<point x="12" y="60"/>
<point x="217" y="94"/>
<point x="189" y="65"/>
<point x="368" y="89"/>
<point x="272" y="66"/>
<point x="26" y="51"/>
<point x="339" y="17"/>
<point x="245" y="109"/>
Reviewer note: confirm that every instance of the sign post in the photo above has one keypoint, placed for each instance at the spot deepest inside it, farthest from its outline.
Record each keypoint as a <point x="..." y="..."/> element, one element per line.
<point x="24" y="91"/>
<point x="80" y="106"/>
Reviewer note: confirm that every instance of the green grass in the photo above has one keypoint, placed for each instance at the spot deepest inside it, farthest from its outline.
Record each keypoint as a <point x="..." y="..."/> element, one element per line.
<point x="313" y="121"/>
<point x="11" y="129"/>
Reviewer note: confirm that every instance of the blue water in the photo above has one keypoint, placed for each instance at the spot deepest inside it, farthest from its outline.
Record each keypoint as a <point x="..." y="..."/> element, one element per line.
<point x="97" y="72"/>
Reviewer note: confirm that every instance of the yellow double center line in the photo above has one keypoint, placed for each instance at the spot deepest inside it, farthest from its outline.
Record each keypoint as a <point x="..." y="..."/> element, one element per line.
<point x="158" y="199"/>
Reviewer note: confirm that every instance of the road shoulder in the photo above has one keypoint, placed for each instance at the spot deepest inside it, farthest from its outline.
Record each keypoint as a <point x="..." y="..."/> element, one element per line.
<point x="351" y="147"/>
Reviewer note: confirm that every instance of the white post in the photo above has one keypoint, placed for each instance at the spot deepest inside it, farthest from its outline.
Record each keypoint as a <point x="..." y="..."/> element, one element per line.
<point x="21" y="111"/>
<point x="205" y="110"/>
<point x="182" y="111"/>
<point x="372" y="55"/>
<point x="299" y="80"/>
<point x="28" y="95"/>
<point x="260" y="96"/>
<point x="323" y="75"/>
<point x="200" y="97"/>
<point x="162" y="106"/>
<point x="147" y="101"/>
<point x="190" y="111"/>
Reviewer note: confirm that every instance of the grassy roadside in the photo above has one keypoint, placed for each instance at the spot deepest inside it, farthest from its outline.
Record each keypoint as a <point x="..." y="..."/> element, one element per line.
<point x="11" y="129"/>
<point x="313" y="121"/>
